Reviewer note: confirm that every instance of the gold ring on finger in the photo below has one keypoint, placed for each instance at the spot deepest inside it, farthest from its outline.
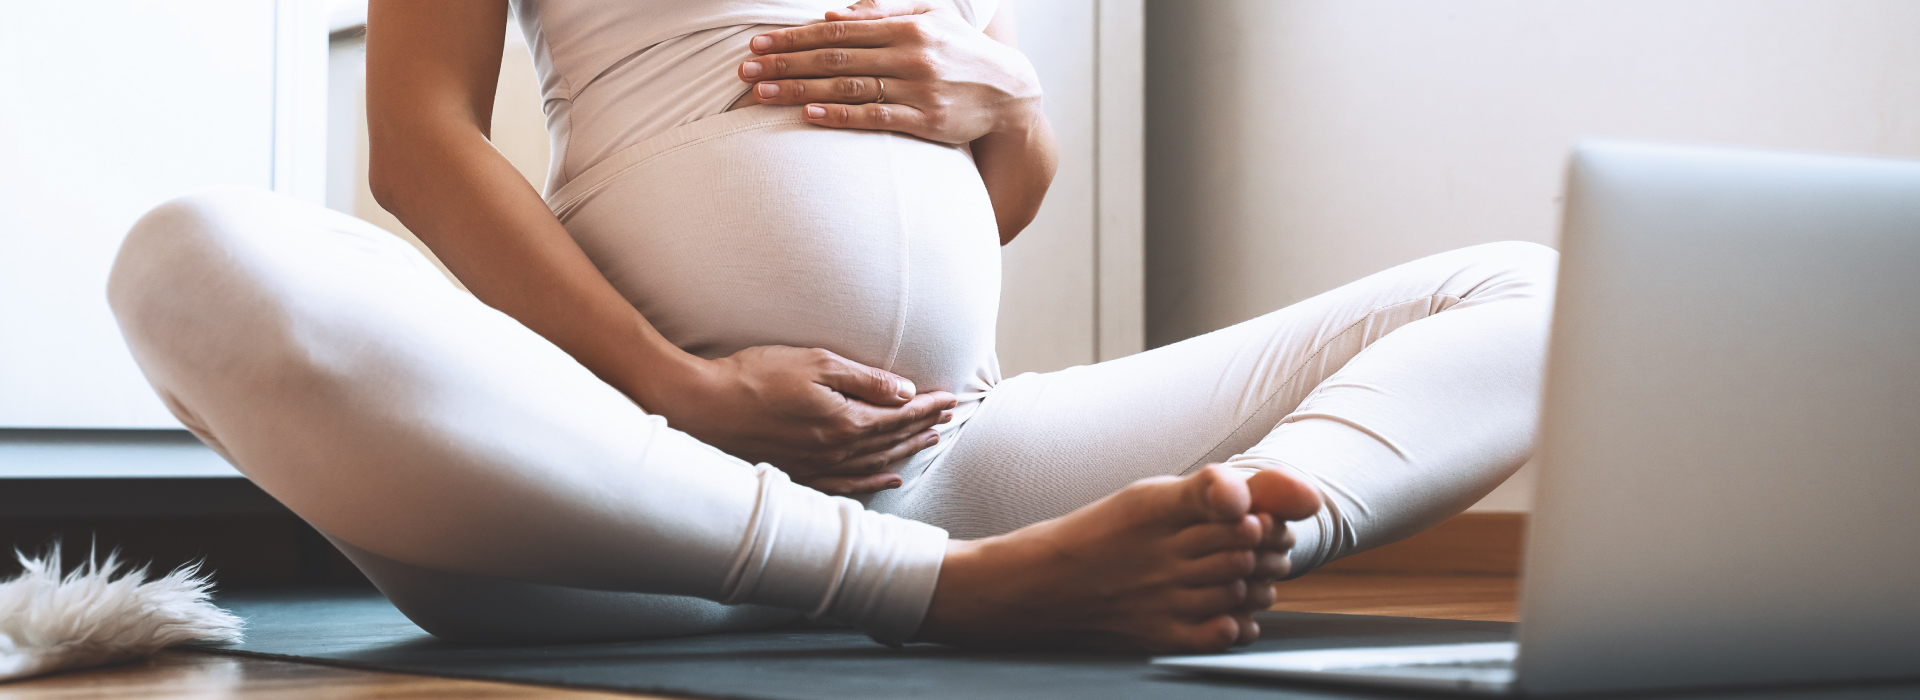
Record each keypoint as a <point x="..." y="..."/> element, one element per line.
<point x="883" y="90"/>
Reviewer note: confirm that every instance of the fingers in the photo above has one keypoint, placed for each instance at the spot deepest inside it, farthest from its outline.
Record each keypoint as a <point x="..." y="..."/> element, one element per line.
<point x="879" y="117"/>
<point x="838" y="485"/>
<point x="885" y="457"/>
<point x="879" y="9"/>
<point x="886" y="425"/>
<point x="844" y="90"/>
<point x="868" y="438"/>
<point x="819" y="63"/>
<point x="891" y="445"/>
<point x="846" y="28"/>
<point x="832" y="34"/>
<point x="869" y="384"/>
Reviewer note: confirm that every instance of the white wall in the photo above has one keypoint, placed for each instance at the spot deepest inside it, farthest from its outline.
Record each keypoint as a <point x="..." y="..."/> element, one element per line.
<point x="1294" y="145"/>
<point x="106" y="110"/>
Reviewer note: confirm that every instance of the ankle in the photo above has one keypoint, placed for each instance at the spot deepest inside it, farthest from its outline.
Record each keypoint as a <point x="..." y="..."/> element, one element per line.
<point x="952" y="605"/>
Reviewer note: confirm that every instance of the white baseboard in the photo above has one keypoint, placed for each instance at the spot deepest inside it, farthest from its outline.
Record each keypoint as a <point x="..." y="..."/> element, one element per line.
<point x="79" y="454"/>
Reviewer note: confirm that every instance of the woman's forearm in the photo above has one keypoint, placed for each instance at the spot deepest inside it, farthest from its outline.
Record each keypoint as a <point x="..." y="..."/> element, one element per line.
<point x="431" y="75"/>
<point x="1017" y="165"/>
<point x="482" y="218"/>
<point x="432" y="69"/>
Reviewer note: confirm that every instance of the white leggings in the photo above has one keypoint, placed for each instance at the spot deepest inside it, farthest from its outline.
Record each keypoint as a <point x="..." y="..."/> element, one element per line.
<point x="496" y="490"/>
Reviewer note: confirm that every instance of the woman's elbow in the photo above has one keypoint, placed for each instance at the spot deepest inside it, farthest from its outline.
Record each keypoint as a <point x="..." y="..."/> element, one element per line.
<point x="383" y="177"/>
<point x="1013" y="225"/>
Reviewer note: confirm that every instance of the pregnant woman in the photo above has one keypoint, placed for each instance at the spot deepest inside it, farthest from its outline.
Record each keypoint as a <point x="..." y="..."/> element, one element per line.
<point x="762" y="283"/>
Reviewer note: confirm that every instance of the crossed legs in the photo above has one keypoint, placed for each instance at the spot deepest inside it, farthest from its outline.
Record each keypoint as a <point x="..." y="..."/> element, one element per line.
<point x="470" y="467"/>
<point x="1402" y="398"/>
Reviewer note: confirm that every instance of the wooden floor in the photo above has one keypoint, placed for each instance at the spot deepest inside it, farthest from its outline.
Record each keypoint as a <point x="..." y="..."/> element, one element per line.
<point x="1445" y="597"/>
<point x="176" y="674"/>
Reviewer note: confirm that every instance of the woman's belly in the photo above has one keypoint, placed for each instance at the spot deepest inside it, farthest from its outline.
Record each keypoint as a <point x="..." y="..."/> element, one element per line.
<point x="755" y="228"/>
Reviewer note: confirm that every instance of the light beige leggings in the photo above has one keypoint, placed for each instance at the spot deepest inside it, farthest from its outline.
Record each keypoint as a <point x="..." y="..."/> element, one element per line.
<point x="496" y="490"/>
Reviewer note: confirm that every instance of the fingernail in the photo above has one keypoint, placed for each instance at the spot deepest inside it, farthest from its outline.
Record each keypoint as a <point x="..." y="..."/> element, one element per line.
<point x="750" y="69"/>
<point x="894" y="484"/>
<point x="816" y="112"/>
<point x="761" y="43"/>
<point x="903" y="387"/>
<point x="946" y="416"/>
<point x="933" y="439"/>
<point x="767" y="89"/>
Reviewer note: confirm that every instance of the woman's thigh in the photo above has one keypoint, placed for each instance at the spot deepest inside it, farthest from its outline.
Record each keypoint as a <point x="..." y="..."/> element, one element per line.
<point x="449" y="445"/>
<point x="1043" y="445"/>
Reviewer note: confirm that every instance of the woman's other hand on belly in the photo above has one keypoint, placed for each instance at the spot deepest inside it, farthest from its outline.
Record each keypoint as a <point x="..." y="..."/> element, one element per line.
<point x="917" y="67"/>
<point x="831" y="423"/>
<point x="910" y="66"/>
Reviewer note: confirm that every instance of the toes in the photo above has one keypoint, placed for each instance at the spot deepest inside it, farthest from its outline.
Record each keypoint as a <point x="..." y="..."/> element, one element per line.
<point x="1249" y="630"/>
<point x="1260" y="595"/>
<point x="1207" y="538"/>
<point x="1213" y="494"/>
<point x="1275" y="534"/>
<point x="1218" y="568"/>
<point x="1227" y="497"/>
<point x="1271" y="565"/>
<point x="1209" y="601"/>
<point x="1212" y="635"/>
<point x="1286" y="496"/>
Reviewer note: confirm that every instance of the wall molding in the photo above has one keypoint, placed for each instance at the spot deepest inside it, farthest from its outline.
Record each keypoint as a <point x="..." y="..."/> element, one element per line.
<point x="1119" y="233"/>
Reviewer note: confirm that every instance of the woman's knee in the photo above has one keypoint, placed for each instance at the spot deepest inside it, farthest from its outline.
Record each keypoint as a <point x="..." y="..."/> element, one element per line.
<point x="1505" y="270"/>
<point x="1522" y="257"/>
<point x="172" y="245"/>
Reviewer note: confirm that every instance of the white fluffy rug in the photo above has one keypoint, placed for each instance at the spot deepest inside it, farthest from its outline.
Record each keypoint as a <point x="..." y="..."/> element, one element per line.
<point x="99" y="614"/>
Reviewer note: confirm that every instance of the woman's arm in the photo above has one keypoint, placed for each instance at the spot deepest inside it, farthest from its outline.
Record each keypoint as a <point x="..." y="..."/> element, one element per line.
<point x="1017" y="162"/>
<point x="919" y="68"/>
<point x="431" y="74"/>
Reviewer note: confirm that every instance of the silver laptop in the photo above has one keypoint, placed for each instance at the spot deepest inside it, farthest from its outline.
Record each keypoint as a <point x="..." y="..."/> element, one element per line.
<point x="1730" y="485"/>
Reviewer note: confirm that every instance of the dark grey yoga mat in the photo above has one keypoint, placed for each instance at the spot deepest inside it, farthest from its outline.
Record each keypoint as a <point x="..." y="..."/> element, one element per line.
<point x="363" y="630"/>
<point x="360" y="629"/>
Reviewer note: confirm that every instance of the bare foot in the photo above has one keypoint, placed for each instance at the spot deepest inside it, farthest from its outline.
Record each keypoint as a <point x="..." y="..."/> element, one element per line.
<point x="1164" y="565"/>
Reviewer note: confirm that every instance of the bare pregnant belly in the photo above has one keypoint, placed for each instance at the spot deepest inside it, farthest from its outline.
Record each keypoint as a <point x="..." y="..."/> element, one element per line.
<point x="754" y="228"/>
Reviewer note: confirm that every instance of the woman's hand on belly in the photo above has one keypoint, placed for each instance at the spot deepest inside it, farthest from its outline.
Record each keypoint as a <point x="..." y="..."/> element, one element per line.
<point x="831" y="423"/>
<point x="917" y="67"/>
<point x="897" y="65"/>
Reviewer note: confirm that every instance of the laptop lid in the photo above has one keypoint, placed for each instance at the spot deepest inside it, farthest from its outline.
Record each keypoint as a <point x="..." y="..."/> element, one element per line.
<point x="1730" y="486"/>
